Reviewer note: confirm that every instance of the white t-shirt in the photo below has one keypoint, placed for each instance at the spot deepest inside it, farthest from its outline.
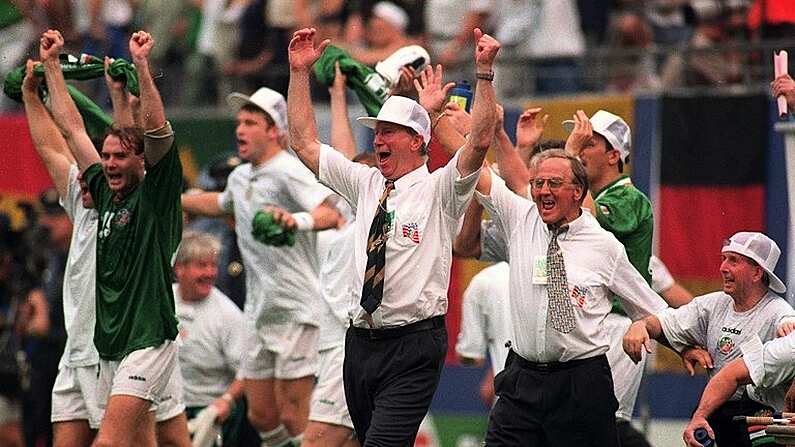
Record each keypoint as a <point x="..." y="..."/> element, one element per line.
<point x="596" y="267"/>
<point x="79" y="283"/>
<point x="710" y="321"/>
<point x="424" y="209"/>
<point x="281" y="282"/>
<point x="211" y="333"/>
<point x="486" y="317"/>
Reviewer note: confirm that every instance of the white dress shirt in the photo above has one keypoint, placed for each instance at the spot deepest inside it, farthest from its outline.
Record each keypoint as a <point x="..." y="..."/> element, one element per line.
<point x="486" y="317"/>
<point x="596" y="264"/>
<point x="424" y="209"/>
<point x="281" y="282"/>
<point x="772" y="368"/>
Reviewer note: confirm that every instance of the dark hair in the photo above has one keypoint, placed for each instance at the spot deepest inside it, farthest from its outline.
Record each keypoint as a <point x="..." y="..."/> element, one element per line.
<point x="130" y="138"/>
<point x="248" y="107"/>
<point x="577" y="169"/>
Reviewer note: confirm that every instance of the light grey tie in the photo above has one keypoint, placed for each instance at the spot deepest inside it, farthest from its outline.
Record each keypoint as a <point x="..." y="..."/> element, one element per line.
<point x="560" y="314"/>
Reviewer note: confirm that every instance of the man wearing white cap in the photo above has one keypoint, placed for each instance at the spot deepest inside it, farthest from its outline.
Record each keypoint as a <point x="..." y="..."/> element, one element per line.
<point x="602" y="143"/>
<point x="282" y="291"/>
<point x="722" y="322"/>
<point x="386" y="33"/>
<point x="406" y="218"/>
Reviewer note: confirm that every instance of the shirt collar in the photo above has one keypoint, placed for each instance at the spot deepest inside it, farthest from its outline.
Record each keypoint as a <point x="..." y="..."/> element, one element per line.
<point x="620" y="181"/>
<point x="412" y="177"/>
<point x="574" y="226"/>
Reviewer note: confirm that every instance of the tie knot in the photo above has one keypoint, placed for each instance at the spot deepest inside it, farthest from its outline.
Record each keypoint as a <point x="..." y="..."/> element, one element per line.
<point x="389" y="184"/>
<point x="557" y="229"/>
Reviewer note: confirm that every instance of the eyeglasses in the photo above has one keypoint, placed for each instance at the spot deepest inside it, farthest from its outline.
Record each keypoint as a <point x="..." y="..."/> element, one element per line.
<point x="553" y="183"/>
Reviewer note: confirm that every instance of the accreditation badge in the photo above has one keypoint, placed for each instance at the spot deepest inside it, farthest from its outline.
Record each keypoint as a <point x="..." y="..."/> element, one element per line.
<point x="540" y="269"/>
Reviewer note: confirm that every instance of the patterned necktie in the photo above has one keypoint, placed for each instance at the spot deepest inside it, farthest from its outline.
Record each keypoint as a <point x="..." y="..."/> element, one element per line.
<point x="373" y="288"/>
<point x="560" y="314"/>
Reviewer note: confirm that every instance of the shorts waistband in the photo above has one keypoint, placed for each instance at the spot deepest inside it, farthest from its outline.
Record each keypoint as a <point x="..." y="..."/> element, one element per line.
<point x="551" y="366"/>
<point x="436" y="322"/>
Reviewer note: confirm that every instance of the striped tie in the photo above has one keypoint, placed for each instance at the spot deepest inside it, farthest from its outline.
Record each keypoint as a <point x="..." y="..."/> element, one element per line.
<point x="560" y="314"/>
<point x="373" y="288"/>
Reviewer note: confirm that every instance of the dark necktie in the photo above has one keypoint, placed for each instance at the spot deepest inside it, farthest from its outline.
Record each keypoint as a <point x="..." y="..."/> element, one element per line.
<point x="560" y="314"/>
<point x="373" y="288"/>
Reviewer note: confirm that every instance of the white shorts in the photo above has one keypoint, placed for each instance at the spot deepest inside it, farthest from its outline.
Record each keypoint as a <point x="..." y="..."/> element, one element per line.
<point x="144" y="373"/>
<point x="626" y="374"/>
<point x="10" y="411"/>
<point x="74" y="396"/>
<point x="174" y="405"/>
<point x="328" y="398"/>
<point x="285" y="351"/>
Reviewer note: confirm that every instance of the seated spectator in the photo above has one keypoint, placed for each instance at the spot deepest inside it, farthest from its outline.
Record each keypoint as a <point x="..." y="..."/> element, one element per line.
<point x="385" y="33"/>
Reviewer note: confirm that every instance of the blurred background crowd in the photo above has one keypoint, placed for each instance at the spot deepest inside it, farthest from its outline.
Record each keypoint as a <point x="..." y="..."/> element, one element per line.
<point x="207" y="48"/>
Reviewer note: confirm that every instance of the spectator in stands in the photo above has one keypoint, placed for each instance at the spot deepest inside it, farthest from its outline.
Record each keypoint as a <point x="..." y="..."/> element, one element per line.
<point x="634" y="68"/>
<point x="386" y="33"/>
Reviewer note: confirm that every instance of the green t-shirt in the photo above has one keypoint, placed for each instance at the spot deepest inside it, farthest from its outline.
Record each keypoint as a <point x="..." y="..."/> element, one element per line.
<point x="626" y="212"/>
<point x="136" y="244"/>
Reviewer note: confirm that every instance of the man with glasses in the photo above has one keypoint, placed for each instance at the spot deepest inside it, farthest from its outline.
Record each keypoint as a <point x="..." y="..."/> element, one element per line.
<point x="556" y="388"/>
<point x="723" y="322"/>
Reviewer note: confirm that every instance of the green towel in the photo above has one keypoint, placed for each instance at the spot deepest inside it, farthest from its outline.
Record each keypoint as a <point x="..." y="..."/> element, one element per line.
<point x="83" y="68"/>
<point x="267" y="231"/>
<point x="369" y="86"/>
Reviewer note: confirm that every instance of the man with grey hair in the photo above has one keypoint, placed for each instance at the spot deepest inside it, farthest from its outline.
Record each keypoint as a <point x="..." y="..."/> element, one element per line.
<point x="211" y="329"/>
<point x="722" y="322"/>
<point x="564" y="270"/>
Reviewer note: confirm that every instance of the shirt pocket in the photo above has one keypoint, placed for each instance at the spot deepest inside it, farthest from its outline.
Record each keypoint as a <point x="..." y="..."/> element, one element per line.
<point x="409" y="227"/>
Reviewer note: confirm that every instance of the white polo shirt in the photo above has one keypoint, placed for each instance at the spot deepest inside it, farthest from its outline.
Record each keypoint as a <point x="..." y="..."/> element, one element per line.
<point x="424" y="210"/>
<point x="596" y="265"/>
<point x="79" y="284"/>
<point x="486" y="317"/>
<point x="281" y="282"/>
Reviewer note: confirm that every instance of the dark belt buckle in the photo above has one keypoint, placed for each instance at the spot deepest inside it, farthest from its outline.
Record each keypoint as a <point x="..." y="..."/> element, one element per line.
<point x="543" y="366"/>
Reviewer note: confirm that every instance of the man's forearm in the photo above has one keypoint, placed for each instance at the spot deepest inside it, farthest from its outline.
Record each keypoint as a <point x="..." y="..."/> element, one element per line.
<point x="122" y="110"/>
<point x="301" y="120"/>
<point x="467" y="241"/>
<point x="511" y="166"/>
<point x="203" y="204"/>
<point x="341" y="132"/>
<point x="154" y="116"/>
<point x="722" y="386"/>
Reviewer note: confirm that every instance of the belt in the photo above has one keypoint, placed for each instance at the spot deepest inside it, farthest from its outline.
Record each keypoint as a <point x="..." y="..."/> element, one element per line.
<point x="551" y="366"/>
<point x="436" y="322"/>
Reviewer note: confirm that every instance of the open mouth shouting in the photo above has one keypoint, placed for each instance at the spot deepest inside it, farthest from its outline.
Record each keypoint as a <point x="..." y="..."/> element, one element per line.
<point x="115" y="180"/>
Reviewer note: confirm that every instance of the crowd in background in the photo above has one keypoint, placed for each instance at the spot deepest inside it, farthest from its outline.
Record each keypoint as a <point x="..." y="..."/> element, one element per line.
<point x="208" y="48"/>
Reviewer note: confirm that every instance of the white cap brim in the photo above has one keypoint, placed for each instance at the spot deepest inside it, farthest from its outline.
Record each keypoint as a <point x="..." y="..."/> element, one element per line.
<point x="368" y="121"/>
<point x="238" y="100"/>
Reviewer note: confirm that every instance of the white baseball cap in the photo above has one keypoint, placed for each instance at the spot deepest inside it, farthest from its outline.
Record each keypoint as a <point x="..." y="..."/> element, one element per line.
<point x="270" y="101"/>
<point x="613" y="128"/>
<point x="761" y="249"/>
<point x="403" y="111"/>
<point x="392" y="13"/>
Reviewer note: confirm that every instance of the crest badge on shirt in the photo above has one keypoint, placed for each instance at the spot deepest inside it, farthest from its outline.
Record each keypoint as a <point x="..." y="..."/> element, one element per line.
<point x="725" y="345"/>
<point x="412" y="231"/>
<point x="579" y="296"/>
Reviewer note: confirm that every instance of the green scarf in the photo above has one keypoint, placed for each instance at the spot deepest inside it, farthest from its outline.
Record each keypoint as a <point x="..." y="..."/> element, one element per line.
<point x="84" y="68"/>
<point x="368" y="85"/>
<point x="267" y="231"/>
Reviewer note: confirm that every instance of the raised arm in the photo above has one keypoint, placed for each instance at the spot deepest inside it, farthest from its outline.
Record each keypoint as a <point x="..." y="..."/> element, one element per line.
<point x="719" y="390"/>
<point x="64" y="110"/>
<point x="303" y="53"/>
<point x="341" y="132"/>
<point x="484" y="108"/>
<point x="512" y="168"/>
<point x="529" y="129"/>
<point x="432" y="97"/>
<point x="153" y="115"/>
<point x="122" y="110"/>
<point x="47" y="139"/>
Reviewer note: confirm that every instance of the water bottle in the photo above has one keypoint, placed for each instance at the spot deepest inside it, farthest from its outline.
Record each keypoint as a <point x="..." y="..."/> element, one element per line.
<point x="461" y="94"/>
<point x="702" y="437"/>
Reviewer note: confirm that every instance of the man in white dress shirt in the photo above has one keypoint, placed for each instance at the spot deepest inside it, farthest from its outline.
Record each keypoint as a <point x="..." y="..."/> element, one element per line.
<point x="406" y="219"/>
<point x="557" y="388"/>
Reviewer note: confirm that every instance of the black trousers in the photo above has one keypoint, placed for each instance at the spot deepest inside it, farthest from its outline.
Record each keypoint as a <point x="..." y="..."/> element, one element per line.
<point x="390" y="377"/>
<point x="628" y="436"/>
<point x="554" y="404"/>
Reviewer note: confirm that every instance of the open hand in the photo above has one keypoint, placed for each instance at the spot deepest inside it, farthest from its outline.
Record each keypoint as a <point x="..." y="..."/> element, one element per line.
<point x="432" y="95"/>
<point x="580" y="135"/>
<point x="302" y="51"/>
<point x="530" y="127"/>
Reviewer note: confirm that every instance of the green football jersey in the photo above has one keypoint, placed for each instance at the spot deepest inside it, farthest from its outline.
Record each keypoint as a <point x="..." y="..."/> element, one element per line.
<point x="137" y="241"/>
<point x="626" y="212"/>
